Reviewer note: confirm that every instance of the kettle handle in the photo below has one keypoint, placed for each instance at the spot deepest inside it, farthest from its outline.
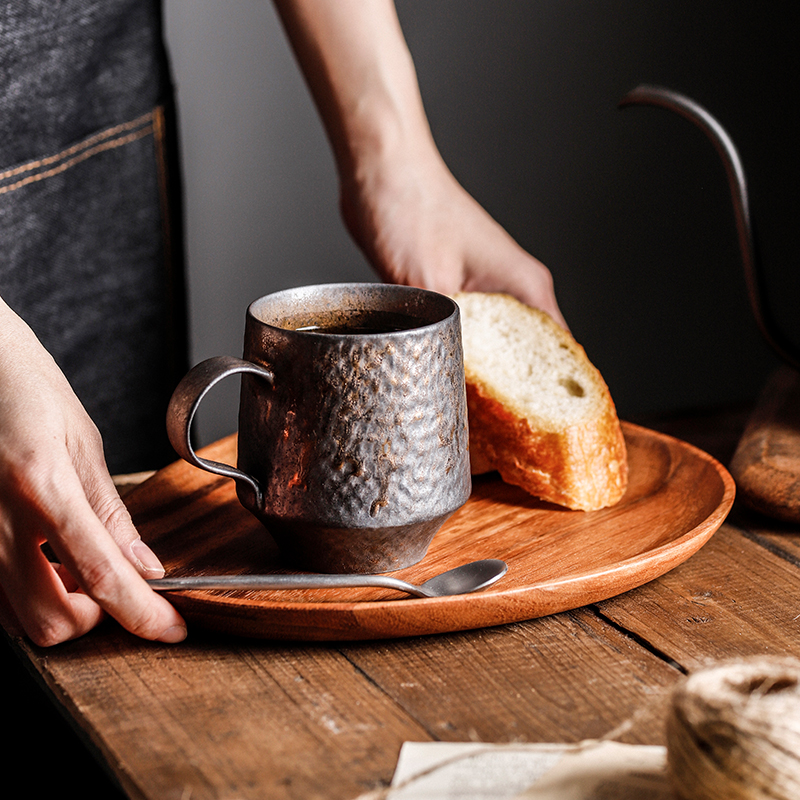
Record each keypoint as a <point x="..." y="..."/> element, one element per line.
<point x="688" y="108"/>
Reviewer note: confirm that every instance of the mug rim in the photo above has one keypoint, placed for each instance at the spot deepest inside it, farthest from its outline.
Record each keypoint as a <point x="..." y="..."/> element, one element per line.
<point x="440" y="308"/>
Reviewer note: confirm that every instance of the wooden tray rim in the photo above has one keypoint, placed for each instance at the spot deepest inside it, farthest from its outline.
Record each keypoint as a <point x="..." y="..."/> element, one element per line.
<point x="349" y="620"/>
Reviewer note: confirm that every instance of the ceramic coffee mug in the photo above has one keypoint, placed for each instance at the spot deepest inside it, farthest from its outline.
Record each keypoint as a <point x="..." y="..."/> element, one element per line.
<point x="353" y="440"/>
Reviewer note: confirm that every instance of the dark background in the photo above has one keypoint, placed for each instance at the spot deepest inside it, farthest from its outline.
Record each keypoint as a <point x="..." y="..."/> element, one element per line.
<point x="629" y="209"/>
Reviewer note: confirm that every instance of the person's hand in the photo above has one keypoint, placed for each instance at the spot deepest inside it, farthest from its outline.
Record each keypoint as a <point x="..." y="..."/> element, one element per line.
<point x="400" y="203"/>
<point x="417" y="225"/>
<point x="55" y="488"/>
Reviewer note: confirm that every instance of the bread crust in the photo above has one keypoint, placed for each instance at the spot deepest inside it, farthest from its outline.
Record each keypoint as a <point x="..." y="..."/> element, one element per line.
<point x="583" y="468"/>
<point x="580" y="465"/>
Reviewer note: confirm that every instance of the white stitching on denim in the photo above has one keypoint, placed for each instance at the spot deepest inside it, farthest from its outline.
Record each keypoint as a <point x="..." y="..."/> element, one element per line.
<point x="85" y="149"/>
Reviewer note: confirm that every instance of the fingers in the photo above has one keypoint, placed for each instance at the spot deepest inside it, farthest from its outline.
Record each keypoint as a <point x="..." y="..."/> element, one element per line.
<point x="112" y="512"/>
<point x="106" y="569"/>
<point x="104" y="573"/>
<point x="40" y="603"/>
<point x="529" y="281"/>
<point x="424" y="229"/>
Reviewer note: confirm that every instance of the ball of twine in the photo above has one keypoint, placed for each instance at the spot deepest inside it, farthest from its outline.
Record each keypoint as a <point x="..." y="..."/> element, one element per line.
<point x="733" y="732"/>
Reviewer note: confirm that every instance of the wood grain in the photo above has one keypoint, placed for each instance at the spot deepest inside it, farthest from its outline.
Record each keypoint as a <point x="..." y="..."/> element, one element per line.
<point x="216" y="717"/>
<point x="715" y="606"/>
<point x="209" y="720"/>
<point x="521" y="682"/>
<point x="558" y="559"/>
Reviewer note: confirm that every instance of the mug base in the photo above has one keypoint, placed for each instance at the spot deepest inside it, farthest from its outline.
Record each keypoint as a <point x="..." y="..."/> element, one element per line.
<point x="362" y="551"/>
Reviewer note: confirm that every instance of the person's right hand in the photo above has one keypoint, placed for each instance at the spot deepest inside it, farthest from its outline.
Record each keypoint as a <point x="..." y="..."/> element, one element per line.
<point x="55" y="488"/>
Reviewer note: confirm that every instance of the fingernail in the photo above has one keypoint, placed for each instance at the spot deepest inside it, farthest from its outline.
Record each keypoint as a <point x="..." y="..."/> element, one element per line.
<point x="147" y="559"/>
<point x="173" y="635"/>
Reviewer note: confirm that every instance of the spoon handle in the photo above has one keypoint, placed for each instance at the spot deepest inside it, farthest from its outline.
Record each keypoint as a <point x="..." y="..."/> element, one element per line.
<point x="283" y="582"/>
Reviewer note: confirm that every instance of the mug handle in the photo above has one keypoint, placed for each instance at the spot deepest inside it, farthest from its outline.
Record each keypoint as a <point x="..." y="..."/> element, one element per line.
<point x="185" y="401"/>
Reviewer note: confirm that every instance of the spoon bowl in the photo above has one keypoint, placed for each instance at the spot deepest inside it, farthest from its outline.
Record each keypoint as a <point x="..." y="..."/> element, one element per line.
<point x="463" y="579"/>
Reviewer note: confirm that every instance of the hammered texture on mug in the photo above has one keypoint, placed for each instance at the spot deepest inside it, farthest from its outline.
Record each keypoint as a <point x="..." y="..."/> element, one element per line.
<point x="391" y="437"/>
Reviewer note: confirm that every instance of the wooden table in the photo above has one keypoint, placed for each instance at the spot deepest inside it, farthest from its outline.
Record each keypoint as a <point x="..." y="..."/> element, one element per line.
<point x="219" y="717"/>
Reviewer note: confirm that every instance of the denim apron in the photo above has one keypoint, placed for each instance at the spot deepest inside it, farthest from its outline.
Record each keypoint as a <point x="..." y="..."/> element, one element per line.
<point x="88" y="214"/>
<point x="90" y="260"/>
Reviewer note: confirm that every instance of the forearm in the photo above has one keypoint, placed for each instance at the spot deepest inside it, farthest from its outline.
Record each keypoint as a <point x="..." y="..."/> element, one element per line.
<point x="405" y="210"/>
<point x="361" y="76"/>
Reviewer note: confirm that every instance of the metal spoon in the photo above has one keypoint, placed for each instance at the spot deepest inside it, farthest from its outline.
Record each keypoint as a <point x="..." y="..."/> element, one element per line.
<point x="461" y="580"/>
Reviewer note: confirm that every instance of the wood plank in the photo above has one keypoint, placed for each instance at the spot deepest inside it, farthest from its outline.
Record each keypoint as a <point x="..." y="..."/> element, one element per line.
<point x="780" y="537"/>
<point x="562" y="678"/>
<point x="733" y="598"/>
<point x="217" y="718"/>
<point x="226" y="717"/>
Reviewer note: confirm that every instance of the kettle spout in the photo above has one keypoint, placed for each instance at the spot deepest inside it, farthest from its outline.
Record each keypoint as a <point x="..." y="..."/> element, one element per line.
<point x="689" y="109"/>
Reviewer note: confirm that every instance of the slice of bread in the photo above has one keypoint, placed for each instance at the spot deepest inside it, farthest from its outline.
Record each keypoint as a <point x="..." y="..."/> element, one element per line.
<point x="539" y="411"/>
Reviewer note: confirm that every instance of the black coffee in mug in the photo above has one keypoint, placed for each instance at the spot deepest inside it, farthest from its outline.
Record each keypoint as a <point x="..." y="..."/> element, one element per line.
<point x="354" y="321"/>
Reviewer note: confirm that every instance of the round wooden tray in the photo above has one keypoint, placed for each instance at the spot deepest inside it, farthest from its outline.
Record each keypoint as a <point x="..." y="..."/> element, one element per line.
<point x="677" y="497"/>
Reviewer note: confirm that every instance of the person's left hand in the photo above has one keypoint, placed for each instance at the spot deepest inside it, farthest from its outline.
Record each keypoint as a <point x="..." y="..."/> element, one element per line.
<point x="401" y="204"/>
<point x="418" y="226"/>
